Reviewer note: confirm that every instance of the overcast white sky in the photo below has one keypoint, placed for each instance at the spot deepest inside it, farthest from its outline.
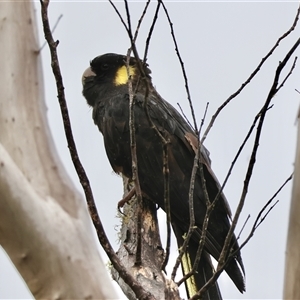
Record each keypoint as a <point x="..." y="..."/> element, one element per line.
<point x="221" y="44"/>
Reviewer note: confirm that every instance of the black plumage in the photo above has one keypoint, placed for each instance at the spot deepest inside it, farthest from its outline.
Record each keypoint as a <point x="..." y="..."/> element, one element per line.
<point x="105" y="89"/>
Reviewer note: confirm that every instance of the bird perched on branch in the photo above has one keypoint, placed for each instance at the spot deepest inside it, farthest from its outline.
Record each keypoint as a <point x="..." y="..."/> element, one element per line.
<point x="105" y="87"/>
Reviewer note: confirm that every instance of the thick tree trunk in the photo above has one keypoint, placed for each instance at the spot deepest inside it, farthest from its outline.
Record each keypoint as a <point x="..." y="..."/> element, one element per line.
<point x="44" y="223"/>
<point x="292" y="262"/>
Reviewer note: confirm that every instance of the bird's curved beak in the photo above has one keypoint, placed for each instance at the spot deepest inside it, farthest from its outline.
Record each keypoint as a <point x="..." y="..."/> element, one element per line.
<point x="87" y="73"/>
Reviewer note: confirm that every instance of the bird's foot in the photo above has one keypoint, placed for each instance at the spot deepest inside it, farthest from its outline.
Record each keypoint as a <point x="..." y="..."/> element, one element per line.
<point x="127" y="198"/>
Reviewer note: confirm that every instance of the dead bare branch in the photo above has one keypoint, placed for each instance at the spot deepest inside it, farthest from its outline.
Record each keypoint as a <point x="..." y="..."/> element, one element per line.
<point x="264" y="59"/>
<point x="185" y="117"/>
<point x="139" y="291"/>
<point x="207" y="214"/>
<point x="151" y="31"/>
<point x="141" y="20"/>
<point x="52" y="31"/>
<point x="226" y="248"/>
<point x="272" y="93"/>
<point x="260" y="217"/>
<point x="289" y="73"/>
<point x="182" y="67"/>
<point x="134" y="164"/>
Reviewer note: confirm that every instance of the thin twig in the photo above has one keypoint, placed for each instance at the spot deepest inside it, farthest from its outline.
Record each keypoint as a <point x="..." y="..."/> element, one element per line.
<point x="151" y="31"/>
<point x="119" y="15"/>
<point x="223" y="260"/>
<point x="248" y="135"/>
<point x="209" y="207"/>
<point x="243" y="227"/>
<point x="289" y="74"/>
<point x="192" y="226"/>
<point x="182" y="67"/>
<point x="153" y="126"/>
<point x="260" y="218"/>
<point x="211" y="123"/>
<point x="52" y="31"/>
<point x="185" y="117"/>
<point x="271" y="94"/>
<point x="203" y="119"/>
<point x="138" y="290"/>
<point x="221" y="268"/>
<point x="128" y="20"/>
<point x="196" y="159"/>
<point x="165" y="142"/>
<point x="134" y="165"/>
<point x="134" y="160"/>
<point x="140" y="20"/>
<point x="194" y="170"/>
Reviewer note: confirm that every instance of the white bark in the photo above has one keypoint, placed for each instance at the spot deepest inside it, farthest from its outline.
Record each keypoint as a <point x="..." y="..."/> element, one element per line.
<point x="292" y="262"/>
<point x="44" y="223"/>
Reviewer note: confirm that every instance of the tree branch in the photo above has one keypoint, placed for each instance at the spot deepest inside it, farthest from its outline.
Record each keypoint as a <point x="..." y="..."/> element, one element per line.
<point x="138" y="289"/>
<point x="264" y="59"/>
<point x="224" y="254"/>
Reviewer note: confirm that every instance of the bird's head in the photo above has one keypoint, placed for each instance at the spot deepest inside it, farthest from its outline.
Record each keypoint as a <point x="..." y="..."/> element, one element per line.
<point x="110" y="72"/>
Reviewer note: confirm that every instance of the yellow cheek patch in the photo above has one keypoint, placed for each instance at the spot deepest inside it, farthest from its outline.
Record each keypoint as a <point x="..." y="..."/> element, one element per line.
<point x="122" y="75"/>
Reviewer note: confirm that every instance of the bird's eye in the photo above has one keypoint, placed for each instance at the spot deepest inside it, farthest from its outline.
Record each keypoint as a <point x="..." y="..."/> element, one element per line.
<point x="104" y="67"/>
